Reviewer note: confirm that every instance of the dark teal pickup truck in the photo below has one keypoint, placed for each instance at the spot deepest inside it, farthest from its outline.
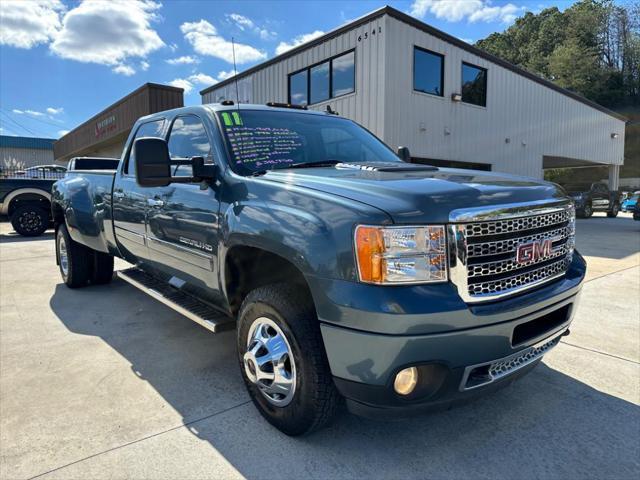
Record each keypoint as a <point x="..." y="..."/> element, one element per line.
<point x="347" y="272"/>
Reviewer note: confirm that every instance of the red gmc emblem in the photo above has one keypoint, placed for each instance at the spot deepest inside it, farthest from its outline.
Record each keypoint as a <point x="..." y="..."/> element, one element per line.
<point x="532" y="251"/>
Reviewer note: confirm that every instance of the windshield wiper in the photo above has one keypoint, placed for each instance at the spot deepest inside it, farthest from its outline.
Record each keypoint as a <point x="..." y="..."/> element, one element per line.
<point x="317" y="163"/>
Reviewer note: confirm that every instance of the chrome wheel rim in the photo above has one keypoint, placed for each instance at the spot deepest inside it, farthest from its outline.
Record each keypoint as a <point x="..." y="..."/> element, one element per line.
<point x="268" y="362"/>
<point x="63" y="255"/>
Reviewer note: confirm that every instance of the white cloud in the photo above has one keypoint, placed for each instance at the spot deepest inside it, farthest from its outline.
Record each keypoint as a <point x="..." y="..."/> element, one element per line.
<point x="202" y="79"/>
<point x="470" y="10"/>
<point x="108" y="33"/>
<point x="33" y="113"/>
<point x="122" y="69"/>
<point x="27" y="24"/>
<point x="222" y="75"/>
<point x="62" y="133"/>
<point x="191" y="81"/>
<point x="299" y="40"/>
<point x="245" y="23"/>
<point x="182" y="83"/>
<point x="184" y="60"/>
<point x="144" y="65"/>
<point x="55" y="111"/>
<point x="205" y="40"/>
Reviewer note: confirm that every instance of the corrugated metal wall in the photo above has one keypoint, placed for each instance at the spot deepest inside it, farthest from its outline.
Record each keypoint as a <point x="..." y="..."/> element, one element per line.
<point x="535" y="119"/>
<point x="24" y="157"/>
<point x="366" y="105"/>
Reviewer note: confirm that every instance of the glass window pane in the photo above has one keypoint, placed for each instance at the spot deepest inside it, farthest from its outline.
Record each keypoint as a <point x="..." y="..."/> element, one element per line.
<point x="188" y="139"/>
<point x="427" y="72"/>
<point x="474" y="85"/>
<point x="298" y="88"/>
<point x="319" y="83"/>
<point x="344" y="74"/>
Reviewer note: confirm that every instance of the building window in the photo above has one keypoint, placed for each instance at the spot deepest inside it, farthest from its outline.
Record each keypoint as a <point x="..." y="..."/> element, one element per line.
<point x="428" y="71"/>
<point x="298" y="88"/>
<point x="319" y="83"/>
<point x="330" y="79"/>
<point x="343" y="74"/>
<point x="474" y="85"/>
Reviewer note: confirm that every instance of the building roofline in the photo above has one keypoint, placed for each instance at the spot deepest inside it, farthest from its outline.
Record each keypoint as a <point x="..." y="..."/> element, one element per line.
<point x="122" y="100"/>
<point x="403" y="17"/>
<point x="31" y="143"/>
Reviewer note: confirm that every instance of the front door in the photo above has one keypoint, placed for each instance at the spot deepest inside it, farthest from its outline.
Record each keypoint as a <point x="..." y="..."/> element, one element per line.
<point x="183" y="217"/>
<point x="130" y="200"/>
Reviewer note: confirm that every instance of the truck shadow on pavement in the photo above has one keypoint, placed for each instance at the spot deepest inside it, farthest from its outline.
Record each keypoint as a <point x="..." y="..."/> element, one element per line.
<point x="13" y="237"/>
<point x="544" y="425"/>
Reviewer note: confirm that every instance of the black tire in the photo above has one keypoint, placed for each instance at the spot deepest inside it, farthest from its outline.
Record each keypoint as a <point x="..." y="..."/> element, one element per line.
<point x="78" y="269"/>
<point x="30" y="220"/>
<point x="102" y="271"/>
<point x="315" y="397"/>
<point x="587" y="211"/>
<point x="613" y="213"/>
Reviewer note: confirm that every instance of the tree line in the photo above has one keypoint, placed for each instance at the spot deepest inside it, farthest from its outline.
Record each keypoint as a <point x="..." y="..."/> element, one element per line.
<point x="591" y="48"/>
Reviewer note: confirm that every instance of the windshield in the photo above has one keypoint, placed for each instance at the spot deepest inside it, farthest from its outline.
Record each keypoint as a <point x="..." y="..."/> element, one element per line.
<point x="267" y="140"/>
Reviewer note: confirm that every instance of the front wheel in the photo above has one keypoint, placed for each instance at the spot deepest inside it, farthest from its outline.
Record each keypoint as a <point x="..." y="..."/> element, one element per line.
<point x="283" y="361"/>
<point x="614" y="211"/>
<point x="587" y="211"/>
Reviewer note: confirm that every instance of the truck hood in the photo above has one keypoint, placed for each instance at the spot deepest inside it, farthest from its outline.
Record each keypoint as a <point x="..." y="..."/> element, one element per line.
<point x="417" y="193"/>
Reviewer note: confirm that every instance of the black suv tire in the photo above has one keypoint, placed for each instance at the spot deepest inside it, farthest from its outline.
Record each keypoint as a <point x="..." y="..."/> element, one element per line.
<point x="290" y="312"/>
<point x="587" y="211"/>
<point x="30" y="220"/>
<point x="74" y="260"/>
<point x="613" y="213"/>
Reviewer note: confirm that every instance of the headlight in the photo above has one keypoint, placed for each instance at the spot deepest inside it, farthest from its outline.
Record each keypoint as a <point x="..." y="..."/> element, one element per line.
<point x="397" y="255"/>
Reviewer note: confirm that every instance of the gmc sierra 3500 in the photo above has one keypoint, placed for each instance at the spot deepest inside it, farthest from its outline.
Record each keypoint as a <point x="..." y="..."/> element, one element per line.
<point x="347" y="272"/>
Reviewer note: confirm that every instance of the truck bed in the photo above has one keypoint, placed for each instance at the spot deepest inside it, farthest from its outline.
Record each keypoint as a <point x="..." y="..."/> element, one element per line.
<point x="84" y="197"/>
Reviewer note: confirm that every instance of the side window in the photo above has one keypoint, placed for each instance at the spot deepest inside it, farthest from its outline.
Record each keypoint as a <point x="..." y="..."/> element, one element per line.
<point x="149" y="129"/>
<point x="188" y="138"/>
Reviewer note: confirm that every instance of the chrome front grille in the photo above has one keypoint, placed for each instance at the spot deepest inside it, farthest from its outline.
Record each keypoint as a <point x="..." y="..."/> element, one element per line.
<point x="485" y="242"/>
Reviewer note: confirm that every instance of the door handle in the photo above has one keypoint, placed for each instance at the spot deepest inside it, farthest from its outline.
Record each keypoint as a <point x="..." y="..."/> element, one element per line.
<point x="118" y="195"/>
<point x="154" y="203"/>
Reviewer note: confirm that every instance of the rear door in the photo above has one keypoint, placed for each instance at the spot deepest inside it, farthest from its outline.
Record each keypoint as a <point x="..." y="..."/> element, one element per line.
<point x="183" y="217"/>
<point x="130" y="199"/>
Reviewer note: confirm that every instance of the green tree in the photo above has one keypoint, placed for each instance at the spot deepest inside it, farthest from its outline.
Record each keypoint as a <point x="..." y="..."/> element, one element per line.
<point x="592" y="48"/>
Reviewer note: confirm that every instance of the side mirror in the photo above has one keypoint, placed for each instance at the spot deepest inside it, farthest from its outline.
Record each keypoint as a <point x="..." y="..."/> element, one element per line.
<point x="404" y="154"/>
<point x="153" y="165"/>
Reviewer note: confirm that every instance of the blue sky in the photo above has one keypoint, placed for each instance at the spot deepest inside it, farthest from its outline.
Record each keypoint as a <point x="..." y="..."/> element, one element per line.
<point x="63" y="61"/>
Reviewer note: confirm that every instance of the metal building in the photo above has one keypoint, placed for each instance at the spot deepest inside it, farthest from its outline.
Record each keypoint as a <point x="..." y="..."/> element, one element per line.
<point x="451" y="103"/>
<point x="105" y="134"/>
<point x="18" y="153"/>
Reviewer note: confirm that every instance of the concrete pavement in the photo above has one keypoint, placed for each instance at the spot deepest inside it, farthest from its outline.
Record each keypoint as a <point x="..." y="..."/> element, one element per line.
<point x="104" y="382"/>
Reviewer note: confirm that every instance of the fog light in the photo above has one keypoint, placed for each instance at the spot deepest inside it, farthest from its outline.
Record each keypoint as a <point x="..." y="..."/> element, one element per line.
<point x="406" y="381"/>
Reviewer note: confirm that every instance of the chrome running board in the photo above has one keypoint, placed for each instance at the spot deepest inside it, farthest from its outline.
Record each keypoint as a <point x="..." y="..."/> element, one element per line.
<point x="181" y="302"/>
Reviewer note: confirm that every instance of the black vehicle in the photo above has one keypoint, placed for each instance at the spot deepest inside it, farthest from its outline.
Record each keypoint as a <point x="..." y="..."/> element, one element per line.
<point x="594" y="198"/>
<point x="636" y="212"/>
<point x="27" y="203"/>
